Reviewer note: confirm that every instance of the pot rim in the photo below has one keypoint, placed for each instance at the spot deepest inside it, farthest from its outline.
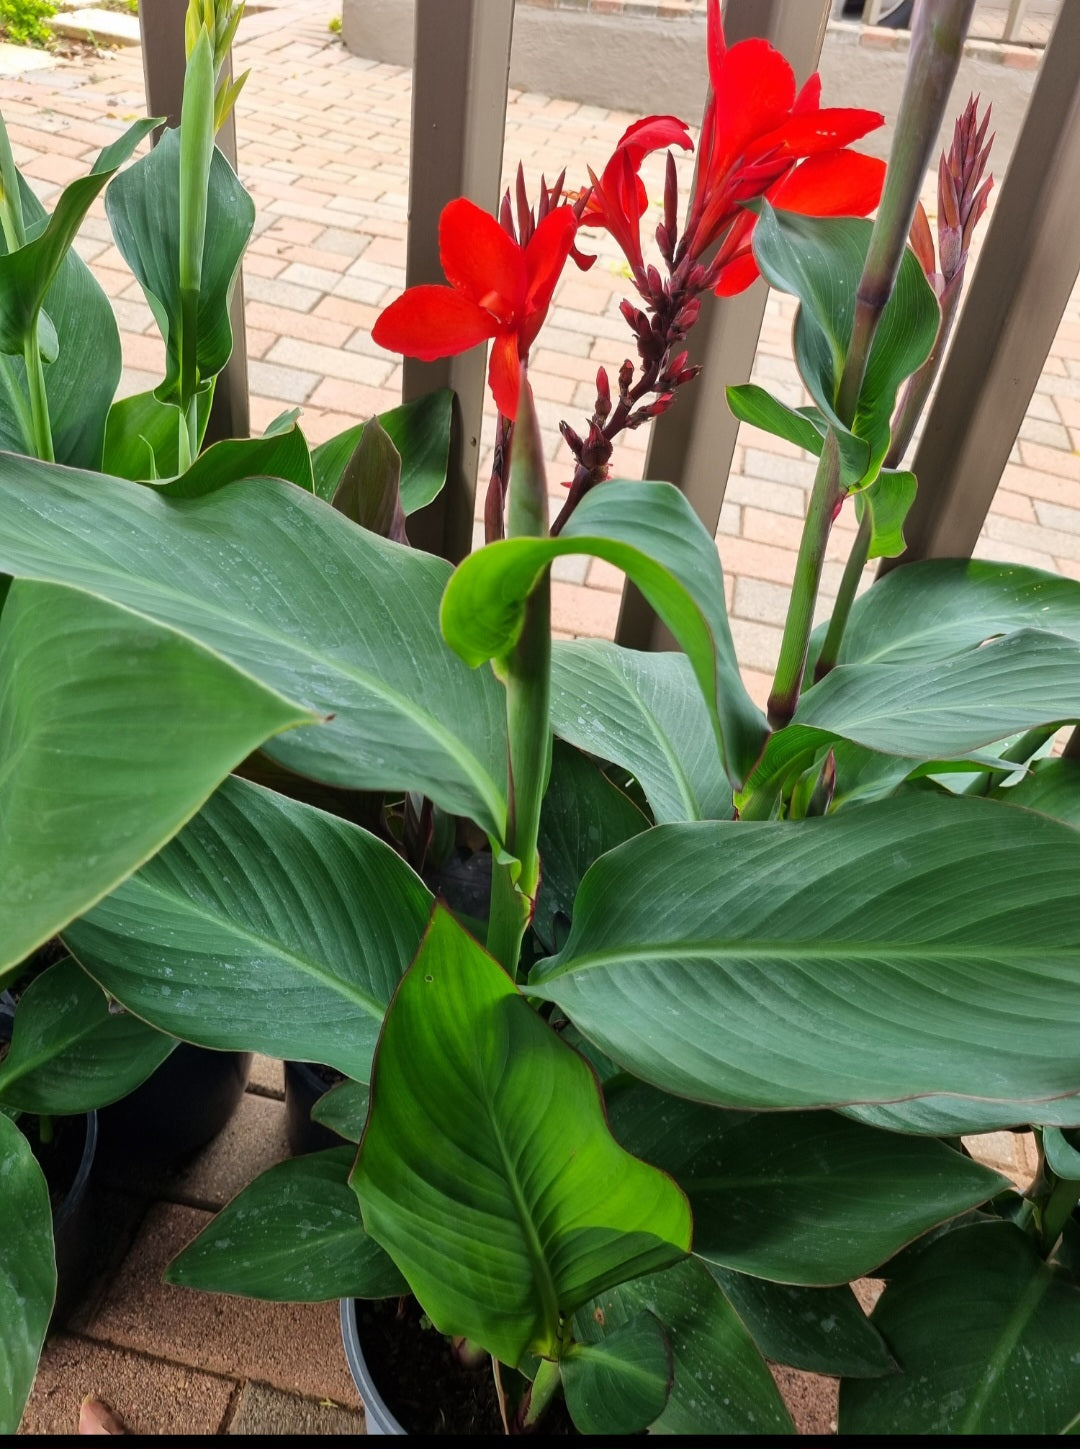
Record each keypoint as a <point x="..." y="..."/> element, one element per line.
<point x="374" y="1405"/>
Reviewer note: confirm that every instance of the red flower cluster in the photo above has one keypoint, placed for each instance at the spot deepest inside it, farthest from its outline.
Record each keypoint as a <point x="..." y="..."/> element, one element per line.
<point x="618" y="201"/>
<point x="498" y="289"/>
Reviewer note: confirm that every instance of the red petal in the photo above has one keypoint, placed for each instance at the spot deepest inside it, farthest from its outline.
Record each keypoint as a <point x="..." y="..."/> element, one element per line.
<point x="839" y="183"/>
<point x="809" y="98"/>
<point x="504" y="374"/>
<point x="755" y="90"/>
<point x="545" y="257"/>
<point x="814" y="131"/>
<point x="739" y="274"/>
<point x="431" y="322"/>
<point x="652" y="133"/>
<point x="480" y="260"/>
<point x="717" y="46"/>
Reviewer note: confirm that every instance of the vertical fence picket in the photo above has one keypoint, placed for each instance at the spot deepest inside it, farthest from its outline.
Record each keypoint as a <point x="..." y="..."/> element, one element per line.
<point x="692" y="445"/>
<point x="162" y="26"/>
<point x="460" y="77"/>
<point x="1022" y="283"/>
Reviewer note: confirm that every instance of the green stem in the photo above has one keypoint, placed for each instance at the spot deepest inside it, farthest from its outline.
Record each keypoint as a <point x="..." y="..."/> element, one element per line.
<point x="39" y="399"/>
<point x="827" y="494"/>
<point x="849" y="585"/>
<point x="11" y="212"/>
<point x="1057" y="1210"/>
<point x="45" y="1129"/>
<point x="545" y="1385"/>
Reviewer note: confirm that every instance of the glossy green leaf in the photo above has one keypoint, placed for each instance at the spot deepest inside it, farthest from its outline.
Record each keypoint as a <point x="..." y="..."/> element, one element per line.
<point x="926" y="944"/>
<point x="81" y="383"/>
<point x="964" y="1117"/>
<point x="294" y="1235"/>
<point x="620" y="1383"/>
<point x="142" y="436"/>
<point x="264" y="926"/>
<point x="986" y="1334"/>
<point x="820" y="261"/>
<point x="343" y="1109"/>
<point x="651" y="532"/>
<point x="27" y="1272"/>
<point x="888" y="500"/>
<point x="584" y="815"/>
<point x="813" y="1198"/>
<point x="805" y="427"/>
<point x="27" y="274"/>
<point x="284" y="587"/>
<point x="113" y="731"/>
<point x="820" y="1330"/>
<point x="721" y="1384"/>
<point x="950" y="706"/>
<point x="284" y="454"/>
<point x="1062" y="1157"/>
<point x="69" y="1053"/>
<point x="646" y="713"/>
<point x="1052" y="787"/>
<point x="419" y="430"/>
<point x="143" y="207"/>
<point x="491" y="1177"/>
<point x="941" y="607"/>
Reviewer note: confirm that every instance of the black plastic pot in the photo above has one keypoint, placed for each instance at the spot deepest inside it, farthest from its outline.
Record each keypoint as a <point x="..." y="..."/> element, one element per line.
<point x="303" y="1088"/>
<point x="378" y="1417"/>
<point x="75" y="1229"/>
<point x="177" y="1110"/>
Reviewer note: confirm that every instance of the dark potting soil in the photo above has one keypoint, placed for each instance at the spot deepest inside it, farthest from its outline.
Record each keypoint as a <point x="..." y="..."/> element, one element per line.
<point x="424" y="1385"/>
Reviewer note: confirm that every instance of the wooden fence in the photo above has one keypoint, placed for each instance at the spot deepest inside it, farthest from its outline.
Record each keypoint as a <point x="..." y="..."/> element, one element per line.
<point x="1015" y="300"/>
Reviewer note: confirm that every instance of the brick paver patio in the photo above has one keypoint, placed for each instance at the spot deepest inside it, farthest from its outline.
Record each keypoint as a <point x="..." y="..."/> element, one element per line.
<point x="324" y="149"/>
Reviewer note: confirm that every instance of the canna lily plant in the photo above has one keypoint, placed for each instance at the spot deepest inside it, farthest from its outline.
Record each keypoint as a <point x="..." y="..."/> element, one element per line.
<point x="661" y="1020"/>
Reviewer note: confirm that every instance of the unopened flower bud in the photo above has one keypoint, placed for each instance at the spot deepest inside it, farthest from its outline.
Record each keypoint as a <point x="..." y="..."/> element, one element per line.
<point x="603" y="393"/>
<point x="688" y="314"/>
<point x="658" y="408"/>
<point x="573" y="442"/>
<point x="626" y="377"/>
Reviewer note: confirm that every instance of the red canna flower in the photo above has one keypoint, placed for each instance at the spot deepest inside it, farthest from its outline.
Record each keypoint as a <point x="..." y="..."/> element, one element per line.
<point x="498" y="289"/>
<point x="618" y="200"/>
<point x="758" y="134"/>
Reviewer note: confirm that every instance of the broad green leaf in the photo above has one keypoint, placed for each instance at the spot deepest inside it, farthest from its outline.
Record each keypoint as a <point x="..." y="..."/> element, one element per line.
<point x="264" y="926"/>
<point x="114" y="729"/>
<point x="584" y="816"/>
<point x="805" y="427"/>
<point x="370" y="489"/>
<point x="69" y="1053"/>
<point x="284" y="587"/>
<point x="812" y="1198"/>
<point x="721" y="1385"/>
<point x="27" y="1272"/>
<point x="1062" y="1157"/>
<point x="143" y="207"/>
<point x="419" y="430"/>
<point x="965" y="1117"/>
<point x="820" y="1330"/>
<point x="820" y="261"/>
<point x="294" y="1235"/>
<point x="941" y="607"/>
<point x="986" y="1334"/>
<point x="491" y="1177"/>
<point x="644" y="712"/>
<point x="651" y="532"/>
<point x="619" y="1384"/>
<point x="283" y="454"/>
<point x="81" y="383"/>
<point x="888" y="500"/>
<point x="142" y="436"/>
<point x="343" y="1109"/>
<point x="951" y="706"/>
<point x="926" y="944"/>
<point x="1052" y="787"/>
<point x="752" y="404"/>
<point x="27" y="274"/>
